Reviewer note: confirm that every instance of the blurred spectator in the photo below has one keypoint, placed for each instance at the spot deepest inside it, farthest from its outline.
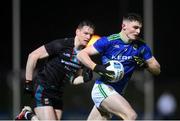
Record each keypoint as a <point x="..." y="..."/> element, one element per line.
<point x="166" y="105"/>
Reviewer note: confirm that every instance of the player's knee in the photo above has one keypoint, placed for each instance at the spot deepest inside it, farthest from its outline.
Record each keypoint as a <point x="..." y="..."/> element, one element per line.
<point x="132" y="115"/>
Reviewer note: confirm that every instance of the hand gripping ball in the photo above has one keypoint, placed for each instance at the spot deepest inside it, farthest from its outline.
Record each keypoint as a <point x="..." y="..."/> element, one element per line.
<point x="118" y="69"/>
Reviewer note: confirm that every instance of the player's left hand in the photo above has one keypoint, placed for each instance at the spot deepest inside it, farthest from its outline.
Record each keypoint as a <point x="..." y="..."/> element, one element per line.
<point x="87" y="74"/>
<point x="141" y="63"/>
<point x="29" y="87"/>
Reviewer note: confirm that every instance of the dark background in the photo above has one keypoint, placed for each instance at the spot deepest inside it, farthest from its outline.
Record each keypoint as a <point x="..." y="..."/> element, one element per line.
<point x="43" y="21"/>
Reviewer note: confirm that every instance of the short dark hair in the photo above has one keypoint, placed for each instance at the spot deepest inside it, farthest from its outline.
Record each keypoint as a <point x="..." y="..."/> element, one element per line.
<point x="86" y="23"/>
<point x="133" y="17"/>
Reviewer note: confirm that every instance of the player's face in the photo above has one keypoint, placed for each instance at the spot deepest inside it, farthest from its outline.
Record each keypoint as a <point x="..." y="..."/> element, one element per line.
<point x="132" y="29"/>
<point x="84" y="35"/>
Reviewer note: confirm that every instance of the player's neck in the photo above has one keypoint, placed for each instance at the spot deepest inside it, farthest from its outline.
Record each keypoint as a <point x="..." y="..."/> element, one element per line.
<point x="124" y="38"/>
<point x="77" y="44"/>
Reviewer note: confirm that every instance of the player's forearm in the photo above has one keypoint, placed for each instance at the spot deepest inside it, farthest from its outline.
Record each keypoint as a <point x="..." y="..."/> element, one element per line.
<point x="154" y="69"/>
<point x="86" y="60"/>
<point x="32" y="60"/>
<point x="153" y="66"/>
<point x="30" y="66"/>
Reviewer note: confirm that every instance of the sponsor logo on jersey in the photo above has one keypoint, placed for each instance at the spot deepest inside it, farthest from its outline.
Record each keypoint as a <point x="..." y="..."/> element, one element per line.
<point x="122" y="58"/>
<point x="70" y="64"/>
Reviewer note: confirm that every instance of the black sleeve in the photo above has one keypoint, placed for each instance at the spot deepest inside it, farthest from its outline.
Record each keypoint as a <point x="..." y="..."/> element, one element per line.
<point x="87" y="74"/>
<point x="57" y="45"/>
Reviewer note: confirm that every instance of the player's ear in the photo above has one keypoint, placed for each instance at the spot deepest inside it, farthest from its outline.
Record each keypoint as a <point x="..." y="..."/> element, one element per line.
<point x="76" y="31"/>
<point x="123" y="26"/>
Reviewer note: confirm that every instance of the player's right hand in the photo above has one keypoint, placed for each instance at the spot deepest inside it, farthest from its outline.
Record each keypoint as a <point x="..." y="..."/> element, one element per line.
<point x="141" y="63"/>
<point x="29" y="87"/>
<point x="102" y="71"/>
<point x="87" y="74"/>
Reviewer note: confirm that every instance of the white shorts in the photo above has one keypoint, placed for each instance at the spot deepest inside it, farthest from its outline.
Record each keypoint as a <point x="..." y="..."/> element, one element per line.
<point x="100" y="91"/>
